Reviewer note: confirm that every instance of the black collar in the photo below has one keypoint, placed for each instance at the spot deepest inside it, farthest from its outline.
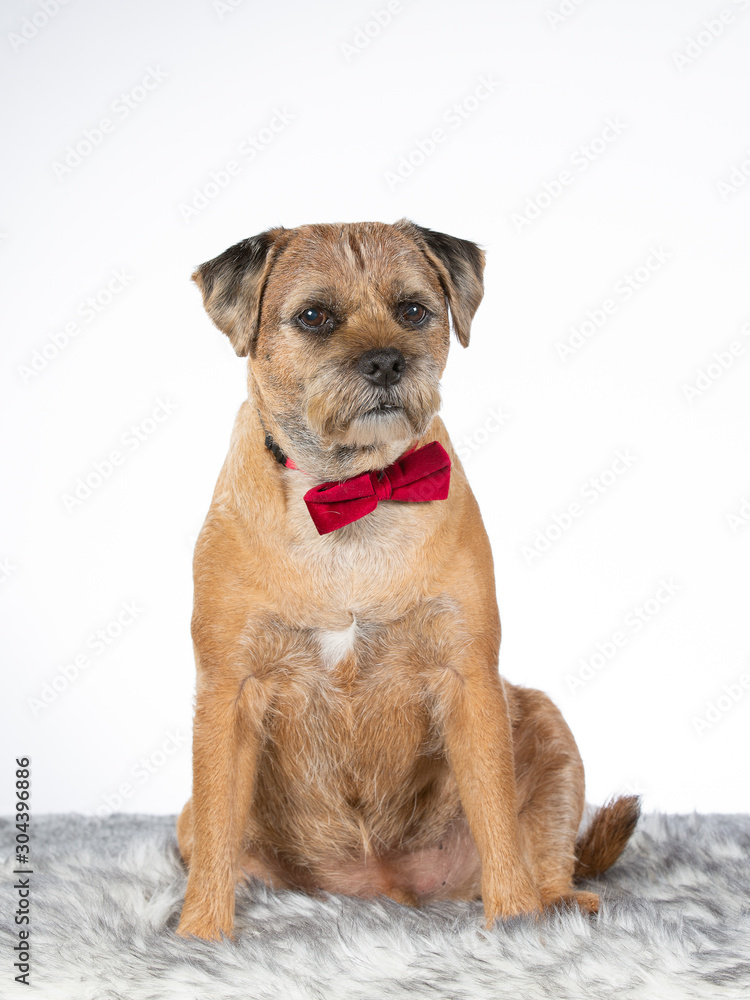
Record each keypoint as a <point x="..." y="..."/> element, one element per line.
<point x="275" y="450"/>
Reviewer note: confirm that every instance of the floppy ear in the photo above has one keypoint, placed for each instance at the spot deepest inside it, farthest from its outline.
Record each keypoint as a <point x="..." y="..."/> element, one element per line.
<point x="232" y="286"/>
<point x="459" y="265"/>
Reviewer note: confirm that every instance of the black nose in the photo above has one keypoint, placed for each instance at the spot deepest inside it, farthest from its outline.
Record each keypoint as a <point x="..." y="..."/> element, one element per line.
<point x="382" y="366"/>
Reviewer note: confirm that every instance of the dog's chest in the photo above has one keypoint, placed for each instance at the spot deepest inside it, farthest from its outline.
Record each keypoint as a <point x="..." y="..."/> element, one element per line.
<point x="351" y="703"/>
<point x="353" y="725"/>
<point x="336" y="644"/>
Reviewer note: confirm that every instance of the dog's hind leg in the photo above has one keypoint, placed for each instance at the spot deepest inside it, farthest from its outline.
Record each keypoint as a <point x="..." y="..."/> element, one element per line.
<point x="550" y="787"/>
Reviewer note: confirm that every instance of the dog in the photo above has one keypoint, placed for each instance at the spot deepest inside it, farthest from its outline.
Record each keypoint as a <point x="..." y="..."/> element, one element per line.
<point x="352" y="733"/>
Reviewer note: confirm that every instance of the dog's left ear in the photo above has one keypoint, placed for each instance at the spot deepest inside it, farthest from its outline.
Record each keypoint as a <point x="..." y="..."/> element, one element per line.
<point x="232" y="286"/>
<point x="460" y="266"/>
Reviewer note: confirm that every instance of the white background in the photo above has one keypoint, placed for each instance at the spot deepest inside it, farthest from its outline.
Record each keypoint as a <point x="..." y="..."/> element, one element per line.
<point x="356" y="112"/>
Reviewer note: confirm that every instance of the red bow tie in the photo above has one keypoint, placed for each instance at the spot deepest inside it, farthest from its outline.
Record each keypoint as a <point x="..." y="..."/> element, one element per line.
<point x="419" y="475"/>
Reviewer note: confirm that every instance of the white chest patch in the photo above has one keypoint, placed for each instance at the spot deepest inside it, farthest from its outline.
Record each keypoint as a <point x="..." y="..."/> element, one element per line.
<point x="334" y="645"/>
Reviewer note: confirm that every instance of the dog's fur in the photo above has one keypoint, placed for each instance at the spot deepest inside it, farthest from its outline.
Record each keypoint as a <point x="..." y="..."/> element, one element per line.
<point x="352" y="733"/>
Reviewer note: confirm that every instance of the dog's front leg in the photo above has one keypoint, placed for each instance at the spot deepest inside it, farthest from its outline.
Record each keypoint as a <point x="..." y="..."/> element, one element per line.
<point x="227" y="735"/>
<point x="478" y="738"/>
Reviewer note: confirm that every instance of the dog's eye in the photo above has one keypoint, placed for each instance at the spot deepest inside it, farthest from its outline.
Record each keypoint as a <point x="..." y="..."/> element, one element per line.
<point x="313" y="318"/>
<point x="413" y="313"/>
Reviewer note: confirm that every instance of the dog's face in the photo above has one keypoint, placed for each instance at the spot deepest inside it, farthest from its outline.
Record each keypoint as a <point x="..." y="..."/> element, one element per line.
<point x="347" y="331"/>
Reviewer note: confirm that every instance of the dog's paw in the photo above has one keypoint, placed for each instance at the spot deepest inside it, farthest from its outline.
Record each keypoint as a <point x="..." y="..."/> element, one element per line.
<point x="513" y="899"/>
<point x="206" y="929"/>
<point x="586" y="902"/>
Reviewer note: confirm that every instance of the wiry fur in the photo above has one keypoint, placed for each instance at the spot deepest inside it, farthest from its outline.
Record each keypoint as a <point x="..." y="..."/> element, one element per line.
<point x="403" y="765"/>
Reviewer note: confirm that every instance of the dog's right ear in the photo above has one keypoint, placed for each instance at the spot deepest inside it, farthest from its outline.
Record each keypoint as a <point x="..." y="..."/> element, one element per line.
<point x="232" y="286"/>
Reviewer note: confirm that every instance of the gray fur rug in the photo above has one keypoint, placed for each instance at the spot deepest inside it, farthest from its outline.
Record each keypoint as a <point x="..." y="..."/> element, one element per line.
<point x="106" y="896"/>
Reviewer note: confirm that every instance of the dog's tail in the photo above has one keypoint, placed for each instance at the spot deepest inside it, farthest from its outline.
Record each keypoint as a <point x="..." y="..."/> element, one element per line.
<point x="604" y="840"/>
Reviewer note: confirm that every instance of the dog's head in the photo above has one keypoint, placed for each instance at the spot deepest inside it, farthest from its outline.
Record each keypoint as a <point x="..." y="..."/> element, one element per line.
<point x="346" y="328"/>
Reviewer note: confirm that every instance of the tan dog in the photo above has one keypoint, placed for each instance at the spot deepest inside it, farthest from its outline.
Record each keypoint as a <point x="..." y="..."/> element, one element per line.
<point x="352" y="733"/>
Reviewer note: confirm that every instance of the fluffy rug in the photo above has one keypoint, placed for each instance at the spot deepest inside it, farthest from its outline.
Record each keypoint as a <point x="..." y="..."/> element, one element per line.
<point x="106" y="897"/>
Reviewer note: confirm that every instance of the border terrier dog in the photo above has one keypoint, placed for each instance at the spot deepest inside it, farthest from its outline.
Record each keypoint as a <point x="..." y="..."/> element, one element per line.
<point x="352" y="733"/>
